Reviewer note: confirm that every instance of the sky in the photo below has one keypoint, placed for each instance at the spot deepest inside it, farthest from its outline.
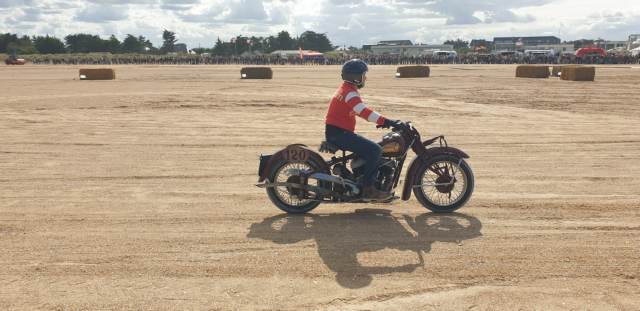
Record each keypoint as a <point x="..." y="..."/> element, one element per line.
<point x="346" y="22"/>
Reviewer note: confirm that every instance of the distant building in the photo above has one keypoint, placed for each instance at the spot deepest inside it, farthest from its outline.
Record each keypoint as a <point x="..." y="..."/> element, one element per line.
<point x="479" y="44"/>
<point x="610" y="45"/>
<point x="519" y="43"/>
<point x="562" y="48"/>
<point x="410" y="50"/>
<point x="634" y="41"/>
<point x="404" y="48"/>
<point x="306" y="54"/>
<point x="287" y="53"/>
<point x="180" y="48"/>
<point x="250" y="53"/>
<point x="395" y="42"/>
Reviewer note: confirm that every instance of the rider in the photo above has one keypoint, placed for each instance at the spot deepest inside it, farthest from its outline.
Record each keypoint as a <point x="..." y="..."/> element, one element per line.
<point x="341" y="123"/>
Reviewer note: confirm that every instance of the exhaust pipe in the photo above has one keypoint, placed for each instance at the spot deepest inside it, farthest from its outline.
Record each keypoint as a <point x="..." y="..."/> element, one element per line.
<point x="337" y="180"/>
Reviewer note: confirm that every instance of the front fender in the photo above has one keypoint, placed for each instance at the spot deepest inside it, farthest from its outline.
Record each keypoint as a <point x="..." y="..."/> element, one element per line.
<point x="412" y="171"/>
<point x="295" y="153"/>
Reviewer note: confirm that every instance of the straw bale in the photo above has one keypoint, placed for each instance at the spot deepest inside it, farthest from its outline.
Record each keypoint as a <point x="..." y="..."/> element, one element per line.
<point x="97" y="74"/>
<point x="578" y="73"/>
<point x="531" y="71"/>
<point x="413" y="72"/>
<point x="256" y="73"/>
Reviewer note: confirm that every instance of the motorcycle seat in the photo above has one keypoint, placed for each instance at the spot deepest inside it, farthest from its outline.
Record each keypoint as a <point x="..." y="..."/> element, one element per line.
<point x="328" y="147"/>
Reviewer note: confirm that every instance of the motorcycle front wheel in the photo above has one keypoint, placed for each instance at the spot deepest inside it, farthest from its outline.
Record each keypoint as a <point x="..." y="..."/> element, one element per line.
<point x="444" y="184"/>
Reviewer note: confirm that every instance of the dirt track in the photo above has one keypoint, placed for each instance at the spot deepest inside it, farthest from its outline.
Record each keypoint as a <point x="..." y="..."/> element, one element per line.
<point x="138" y="193"/>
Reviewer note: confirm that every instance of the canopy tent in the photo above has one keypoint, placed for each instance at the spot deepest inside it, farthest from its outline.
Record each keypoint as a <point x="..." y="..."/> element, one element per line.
<point x="590" y="51"/>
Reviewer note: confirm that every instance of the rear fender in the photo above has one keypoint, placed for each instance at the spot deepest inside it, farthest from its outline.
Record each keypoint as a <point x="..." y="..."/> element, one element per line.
<point x="412" y="171"/>
<point x="293" y="153"/>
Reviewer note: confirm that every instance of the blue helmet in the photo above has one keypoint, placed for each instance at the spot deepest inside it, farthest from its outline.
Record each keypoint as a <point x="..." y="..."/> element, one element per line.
<point x="353" y="71"/>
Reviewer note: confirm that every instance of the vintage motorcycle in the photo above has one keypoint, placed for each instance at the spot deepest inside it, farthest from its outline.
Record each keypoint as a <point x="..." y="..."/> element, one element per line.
<point x="298" y="179"/>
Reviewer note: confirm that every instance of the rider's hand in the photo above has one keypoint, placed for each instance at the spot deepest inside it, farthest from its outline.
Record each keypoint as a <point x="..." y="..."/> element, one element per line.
<point x="388" y="123"/>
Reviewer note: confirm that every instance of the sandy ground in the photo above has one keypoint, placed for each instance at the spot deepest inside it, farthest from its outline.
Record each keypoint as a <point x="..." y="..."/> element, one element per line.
<point x="138" y="193"/>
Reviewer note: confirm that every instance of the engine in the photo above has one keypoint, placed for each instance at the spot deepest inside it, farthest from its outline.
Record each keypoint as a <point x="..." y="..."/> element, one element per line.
<point x="385" y="174"/>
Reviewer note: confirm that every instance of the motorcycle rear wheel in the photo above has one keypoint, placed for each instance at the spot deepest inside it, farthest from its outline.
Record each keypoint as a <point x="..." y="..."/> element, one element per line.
<point x="286" y="198"/>
<point x="435" y="190"/>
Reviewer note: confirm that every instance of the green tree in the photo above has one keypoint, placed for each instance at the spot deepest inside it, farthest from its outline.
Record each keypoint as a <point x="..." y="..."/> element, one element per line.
<point x="458" y="44"/>
<point x="48" y="45"/>
<point x="310" y="40"/>
<point x="5" y="40"/>
<point x="222" y="48"/>
<point x="25" y="46"/>
<point x="146" y="44"/>
<point x="169" y="41"/>
<point x="239" y="45"/>
<point x="85" y="43"/>
<point x="256" y="43"/>
<point x="12" y="44"/>
<point x="112" y="45"/>
<point x="285" y="42"/>
<point x="270" y="44"/>
<point x="132" y="44"/>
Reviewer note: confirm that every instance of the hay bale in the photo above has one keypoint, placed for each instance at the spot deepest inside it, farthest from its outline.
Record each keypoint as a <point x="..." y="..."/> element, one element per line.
<point x="531" y="71"/>
<point x="556" y="70"/>
<point x="256" y="73"/>
<point x="97" y="74"/>
<point x="413" y="72"/>
<point x="578" y="73"/>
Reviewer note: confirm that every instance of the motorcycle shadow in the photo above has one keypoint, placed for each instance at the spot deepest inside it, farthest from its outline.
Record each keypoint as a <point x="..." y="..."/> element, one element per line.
<point x="340" y="237"/>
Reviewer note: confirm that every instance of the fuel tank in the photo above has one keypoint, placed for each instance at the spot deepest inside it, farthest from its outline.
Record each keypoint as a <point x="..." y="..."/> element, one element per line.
<point x="392" y="145"/>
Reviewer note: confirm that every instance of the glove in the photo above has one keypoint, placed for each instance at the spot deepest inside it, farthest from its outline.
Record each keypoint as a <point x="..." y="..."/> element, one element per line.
<point x="388" y="123"/>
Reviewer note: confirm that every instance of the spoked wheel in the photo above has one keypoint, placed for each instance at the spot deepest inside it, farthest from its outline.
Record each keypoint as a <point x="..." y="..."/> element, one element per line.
<point x="291" y="199"/>
<point x="444" y="184"/>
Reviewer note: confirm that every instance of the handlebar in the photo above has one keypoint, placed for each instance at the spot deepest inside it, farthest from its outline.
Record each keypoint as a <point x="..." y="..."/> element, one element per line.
<point x="400" y="126"/>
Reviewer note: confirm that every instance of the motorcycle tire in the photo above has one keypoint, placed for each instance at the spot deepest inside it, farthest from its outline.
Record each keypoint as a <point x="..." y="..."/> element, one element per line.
<point x="464" y="197"/>
<point x="272" y="192"/>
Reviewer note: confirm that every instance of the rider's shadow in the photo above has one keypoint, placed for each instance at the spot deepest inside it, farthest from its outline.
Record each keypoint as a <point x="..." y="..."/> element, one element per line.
<point x="340" y="237"/>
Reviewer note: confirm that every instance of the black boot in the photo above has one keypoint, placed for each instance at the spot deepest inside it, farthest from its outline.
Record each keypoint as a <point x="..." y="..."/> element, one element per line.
<point x="371" y="193"/>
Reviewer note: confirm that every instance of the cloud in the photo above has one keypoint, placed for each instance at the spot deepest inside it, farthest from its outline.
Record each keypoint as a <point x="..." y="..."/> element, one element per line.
<point x="14" y="3"/>
<point x="24" y="15"/>
<point x="121" y="2"/>
<point x="251" y="13"/>
<point x="31" y="15"/>
<point x="248" y="11"/>
<point x="348" y="22"/>
<point x="605" y="24"/>
<point x="211" y="15"/>
<point x="178" y="5"/>
<point x="462" y="12"/>
<point x="102" y="13"/>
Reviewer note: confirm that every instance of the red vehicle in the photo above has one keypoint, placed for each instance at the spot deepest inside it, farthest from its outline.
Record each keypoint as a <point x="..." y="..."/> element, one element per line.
<point x="14" y="61"/>
<point x="591" y="51"/>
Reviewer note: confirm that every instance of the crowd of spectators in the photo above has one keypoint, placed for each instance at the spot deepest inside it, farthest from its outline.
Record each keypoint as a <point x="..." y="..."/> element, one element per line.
<point x="192" y="59"/>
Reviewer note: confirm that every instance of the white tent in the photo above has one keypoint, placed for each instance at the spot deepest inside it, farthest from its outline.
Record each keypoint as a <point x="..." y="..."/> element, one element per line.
<point x="636" y="51"/>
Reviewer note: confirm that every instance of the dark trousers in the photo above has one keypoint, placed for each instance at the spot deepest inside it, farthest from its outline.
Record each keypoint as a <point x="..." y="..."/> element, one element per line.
<point x="363" y="147"/>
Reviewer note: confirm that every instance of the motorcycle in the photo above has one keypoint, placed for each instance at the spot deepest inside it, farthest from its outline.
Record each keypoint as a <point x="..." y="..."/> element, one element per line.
<point x="298" y="179"/>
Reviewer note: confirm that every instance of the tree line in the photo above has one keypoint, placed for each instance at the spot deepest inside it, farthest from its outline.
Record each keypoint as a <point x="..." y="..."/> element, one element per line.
<point x="89" y="43"/>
